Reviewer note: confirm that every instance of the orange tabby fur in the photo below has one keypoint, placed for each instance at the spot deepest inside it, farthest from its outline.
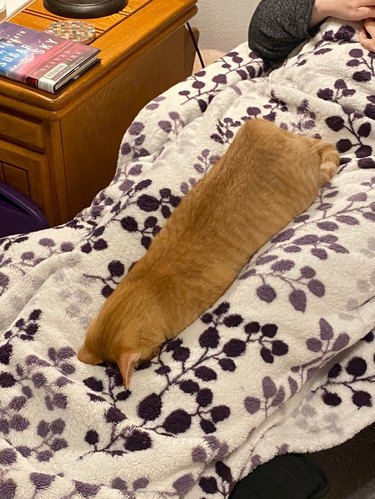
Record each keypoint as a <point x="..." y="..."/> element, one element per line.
<point x="266" y="178"/>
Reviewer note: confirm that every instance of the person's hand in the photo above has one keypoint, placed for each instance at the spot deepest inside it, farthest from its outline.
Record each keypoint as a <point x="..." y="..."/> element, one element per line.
<point x="347" y="10"/>
<point x="368" y="30"/>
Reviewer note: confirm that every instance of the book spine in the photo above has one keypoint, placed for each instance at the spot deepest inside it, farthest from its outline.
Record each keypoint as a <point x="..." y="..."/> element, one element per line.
<point x="47" y="82"/>
<point x="31" y="82"/>
<point x="42" y="84"/>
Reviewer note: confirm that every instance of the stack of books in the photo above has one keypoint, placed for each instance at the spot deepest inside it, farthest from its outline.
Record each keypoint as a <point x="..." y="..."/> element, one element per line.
<point x="41" y="60"/>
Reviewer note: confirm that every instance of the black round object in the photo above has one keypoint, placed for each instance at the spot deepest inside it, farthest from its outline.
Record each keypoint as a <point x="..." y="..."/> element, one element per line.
<point x="83" y="9"/>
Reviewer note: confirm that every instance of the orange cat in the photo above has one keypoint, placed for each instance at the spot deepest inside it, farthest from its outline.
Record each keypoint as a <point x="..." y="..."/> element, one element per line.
<point x="266" y="178"/>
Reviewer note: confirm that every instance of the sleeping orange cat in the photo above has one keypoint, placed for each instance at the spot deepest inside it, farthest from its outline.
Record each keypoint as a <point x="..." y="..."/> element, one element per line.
<point x="266" y="178"/>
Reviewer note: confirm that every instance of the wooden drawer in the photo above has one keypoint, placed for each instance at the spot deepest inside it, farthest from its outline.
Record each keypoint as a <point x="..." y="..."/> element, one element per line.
<point x="27" y="171"/>
<point x="21" y="131"/>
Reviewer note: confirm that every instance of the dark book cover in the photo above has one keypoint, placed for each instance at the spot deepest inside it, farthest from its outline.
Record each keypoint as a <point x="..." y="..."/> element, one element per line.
<point x="41" y="60"/>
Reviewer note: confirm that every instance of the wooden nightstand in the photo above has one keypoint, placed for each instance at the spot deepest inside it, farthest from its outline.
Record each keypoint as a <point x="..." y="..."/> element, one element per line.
<point x="60" y="150"/>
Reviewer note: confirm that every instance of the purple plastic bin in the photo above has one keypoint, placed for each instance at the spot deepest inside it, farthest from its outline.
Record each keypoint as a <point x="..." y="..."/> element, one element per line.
<point x="17" y="213"/>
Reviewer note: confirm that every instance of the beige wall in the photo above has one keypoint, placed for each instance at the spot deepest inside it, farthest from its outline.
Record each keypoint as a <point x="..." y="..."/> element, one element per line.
<point x="223" y="24"/>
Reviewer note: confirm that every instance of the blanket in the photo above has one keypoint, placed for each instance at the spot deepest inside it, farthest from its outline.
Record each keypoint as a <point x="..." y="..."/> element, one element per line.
<point x="283" y="362"/>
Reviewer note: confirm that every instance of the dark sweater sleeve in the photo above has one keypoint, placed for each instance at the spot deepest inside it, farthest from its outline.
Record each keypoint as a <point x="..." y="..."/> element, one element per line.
<point x="278" y="26"/>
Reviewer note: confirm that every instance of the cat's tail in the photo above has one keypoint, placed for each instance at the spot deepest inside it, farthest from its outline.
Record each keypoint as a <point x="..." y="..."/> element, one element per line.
<point x="330" y="162"/>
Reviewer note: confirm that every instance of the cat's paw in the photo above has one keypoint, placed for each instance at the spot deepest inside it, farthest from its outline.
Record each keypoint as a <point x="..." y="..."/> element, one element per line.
<point x="330" y="162"/>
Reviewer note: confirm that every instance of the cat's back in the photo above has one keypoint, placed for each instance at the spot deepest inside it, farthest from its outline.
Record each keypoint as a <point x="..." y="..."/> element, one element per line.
<point x="270" y="157"/>
<point x="260" y="141"/>
<point x="266" y="174"/>
<point x="258" y="149"/>
<point x="261" y="157"/>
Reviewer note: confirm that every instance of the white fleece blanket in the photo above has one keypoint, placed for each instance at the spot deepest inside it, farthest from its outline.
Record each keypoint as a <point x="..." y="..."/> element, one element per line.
<point x="283" y="362"/>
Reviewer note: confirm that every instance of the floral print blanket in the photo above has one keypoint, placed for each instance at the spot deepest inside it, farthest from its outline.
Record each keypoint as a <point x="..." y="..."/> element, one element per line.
<point x="283" y="362"/>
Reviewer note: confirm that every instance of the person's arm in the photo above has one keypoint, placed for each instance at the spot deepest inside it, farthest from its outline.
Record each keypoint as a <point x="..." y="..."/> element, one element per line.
<point x="278" y="26"/>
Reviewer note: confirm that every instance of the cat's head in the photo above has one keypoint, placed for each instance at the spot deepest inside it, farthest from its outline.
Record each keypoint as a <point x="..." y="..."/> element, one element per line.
<point x="124" y="343"/>
<point x="123" y="333"/>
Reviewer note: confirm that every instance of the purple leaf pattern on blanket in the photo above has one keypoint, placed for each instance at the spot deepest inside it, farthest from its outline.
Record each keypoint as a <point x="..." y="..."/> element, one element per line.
<point x="204" y="162"/>
<point x="353" y="375"/>
<point x="135" y="130"/>
<point x="301" y="311"/>
<point x="203" y="90"/>
<point x="116" y="271"/>
<point x="321" y="245"/>
<point x="30" y="378"/>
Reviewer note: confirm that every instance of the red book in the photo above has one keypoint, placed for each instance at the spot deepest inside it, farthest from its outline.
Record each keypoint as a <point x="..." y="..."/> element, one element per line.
<point x="41" y="60"/>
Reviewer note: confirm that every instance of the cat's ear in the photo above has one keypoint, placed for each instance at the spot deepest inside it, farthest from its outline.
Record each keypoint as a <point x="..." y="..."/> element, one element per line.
<point x="84" y="355"/>
<point x="125" y="363"/>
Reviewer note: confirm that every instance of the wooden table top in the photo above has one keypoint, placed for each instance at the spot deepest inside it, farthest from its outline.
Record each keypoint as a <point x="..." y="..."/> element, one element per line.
<point x="37" y="17"/>
<point x="118" y="41"/>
